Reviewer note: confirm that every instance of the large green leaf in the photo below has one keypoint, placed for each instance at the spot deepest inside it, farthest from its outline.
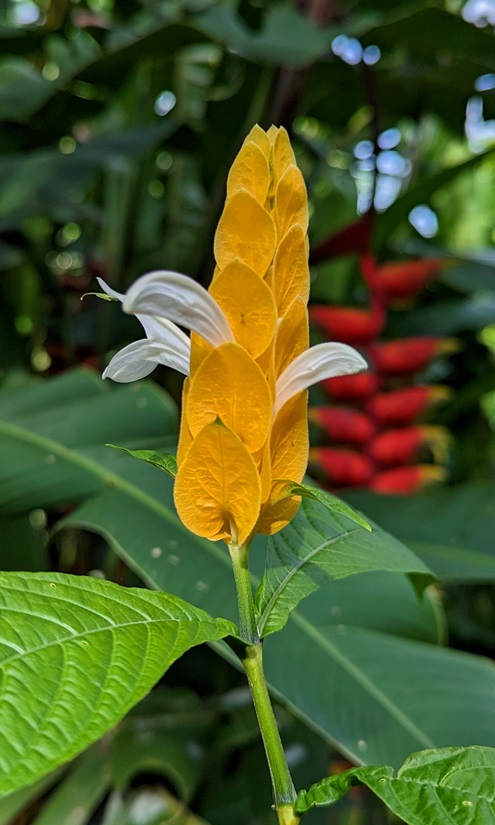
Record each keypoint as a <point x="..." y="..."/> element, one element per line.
<point x="448" y="317"/>
<point x="287" y="38"/>
<point x="320" y="545"/>
<point x="380" y="697"/>
<point x="75" y="654"/>
<point x="49" y="430"/>
<point x="451" y="529"/>
<point x="23" y="90"/>
<point x="432" y="786"/>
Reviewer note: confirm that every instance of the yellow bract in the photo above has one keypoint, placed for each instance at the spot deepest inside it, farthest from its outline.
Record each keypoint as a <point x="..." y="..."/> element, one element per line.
<point x="289" y="276"/>
<point x="217" y="490"/>
<point x="250" y="172"/>
<point x="230" y="385"/>
<point x="235" y="457"/>
<point x="248" y="304"/>
<point x="245" y="231"/>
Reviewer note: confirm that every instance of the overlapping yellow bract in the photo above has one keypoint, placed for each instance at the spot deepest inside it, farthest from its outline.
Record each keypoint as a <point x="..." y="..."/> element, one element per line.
<point x="235" y="456"/>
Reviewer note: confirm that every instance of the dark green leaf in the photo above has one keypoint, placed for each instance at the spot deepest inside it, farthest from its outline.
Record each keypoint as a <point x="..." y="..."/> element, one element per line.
<point x="450" y="529"/>
<point x="287" y="38"/>
<point x="51" y="436"/>
<point x="78" y="795"/>
<point x="378" y="696"/>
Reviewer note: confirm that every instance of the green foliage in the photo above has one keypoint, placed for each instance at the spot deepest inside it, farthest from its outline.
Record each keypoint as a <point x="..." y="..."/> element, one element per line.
<point x="434" y="786"/>
<point x="164" y="461"/>
<point x="334" y="504"/>
<point x="67" y="641"/>
<point x="95" y="182"/>
<point x="451" y="529"/>
<point x="319" y="545"/>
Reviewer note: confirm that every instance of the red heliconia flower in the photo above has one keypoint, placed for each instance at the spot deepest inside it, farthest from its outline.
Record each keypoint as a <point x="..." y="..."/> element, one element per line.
<point x="348" y="324"/>
<point x="352" y="388"/>
<point x="405" y="405"/>
<point x="405" y="480"/>
<point x="353" y="238"/>
<point x="405" y="356"/>
<point x="340" y="467"/>
<point x="403" y="445"/>
<point x="343" y="423"/>
<point x="403" y="280"/>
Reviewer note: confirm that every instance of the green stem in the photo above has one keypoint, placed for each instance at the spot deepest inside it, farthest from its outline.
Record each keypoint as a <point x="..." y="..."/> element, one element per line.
<point x="248" y="631"/>
<point x="283" y="788"/>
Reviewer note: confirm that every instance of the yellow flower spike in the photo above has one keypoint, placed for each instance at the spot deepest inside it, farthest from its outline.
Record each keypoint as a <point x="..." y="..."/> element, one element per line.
<point x="217" y="490"/>
<point x="244" y="437"/>
<point x="291" y="201"/>
<point x="229" y="385"/>
<point x="289" y="278"/>
<point x="292" y="336"/>
<point x="248" y="304"/>
<point x="250" y="171"/>
<point x="245" y="231"/>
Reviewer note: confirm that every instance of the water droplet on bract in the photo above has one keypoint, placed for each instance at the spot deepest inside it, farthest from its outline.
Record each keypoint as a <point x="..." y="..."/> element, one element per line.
<point x="142" y="402"/>
<point x="202" y="586"/>
<point x="341" y="629"/>
<point x="171" y="544"/>
<point x="156" y="552"/>
<point x="50" y="459"/>
<point x="173" y="559"/>
<point x="336" y="611"/>
<point x="362" y="745"/>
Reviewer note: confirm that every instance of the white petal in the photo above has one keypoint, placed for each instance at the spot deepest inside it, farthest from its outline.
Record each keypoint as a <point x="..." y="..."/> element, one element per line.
<point x="109" y="290"/>
<point x="140" y="358"/>
<point x="169" y="334"/>
<point x="170" y="295"/>
<point x="315" y="364"/>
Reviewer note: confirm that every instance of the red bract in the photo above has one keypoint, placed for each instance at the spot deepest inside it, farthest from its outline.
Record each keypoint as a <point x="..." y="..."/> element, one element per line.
<point x="403" y="280"/>
<point x="352" y="387"/>
<point x="406" y="356"/>
<point x="343" y="423"/>
<point x="404" y="480"/>
<point x="340" y="467"/>
<point x="405" y="405"/>
<point x="403" y="445"/>
<point x="348" y="324"/>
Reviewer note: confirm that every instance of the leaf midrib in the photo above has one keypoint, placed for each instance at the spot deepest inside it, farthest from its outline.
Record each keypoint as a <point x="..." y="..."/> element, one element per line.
<point x="361" y="679"/>
<point x="82" y="634"/>
<point x="293" y="571"/>
<point x="111" y="481"/>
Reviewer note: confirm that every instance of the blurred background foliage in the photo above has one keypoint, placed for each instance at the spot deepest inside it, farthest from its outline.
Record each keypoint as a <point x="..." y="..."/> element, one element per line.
<point x="118" y="123"/>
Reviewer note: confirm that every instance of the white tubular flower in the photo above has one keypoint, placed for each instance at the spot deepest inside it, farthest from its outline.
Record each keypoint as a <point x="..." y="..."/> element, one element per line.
<point x="315" y="364"/>
<point x="165" y="344"/>
<point x="166" y="294"/>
